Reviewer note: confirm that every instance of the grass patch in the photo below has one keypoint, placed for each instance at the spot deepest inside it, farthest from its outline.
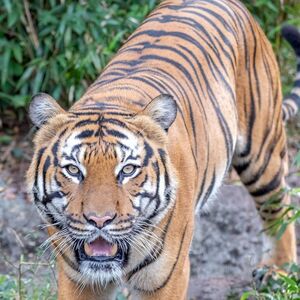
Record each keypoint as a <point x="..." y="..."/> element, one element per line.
<point x="279" y="287"/>
<point x="34" y="280"/>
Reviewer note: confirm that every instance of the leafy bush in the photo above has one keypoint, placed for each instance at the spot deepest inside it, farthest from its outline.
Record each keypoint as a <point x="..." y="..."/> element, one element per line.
<point x="271" y="15"/>
<point x="30" y="290"/>
<point x="279" y="287"/>
<point x="60" y="46"/>
<point x="22" y="282"/>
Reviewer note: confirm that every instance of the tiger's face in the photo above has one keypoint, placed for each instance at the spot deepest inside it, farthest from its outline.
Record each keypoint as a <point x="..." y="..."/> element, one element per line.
<point x="101" y="178"/>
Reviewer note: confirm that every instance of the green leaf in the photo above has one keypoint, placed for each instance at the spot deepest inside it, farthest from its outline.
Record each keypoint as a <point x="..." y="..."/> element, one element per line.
<point x="297" y="159"/>
<point x="5" y="139"/>
<point x="115" y="40"/>
<point x="13" y="17"/>
<point x="7" y="4"/>
<point x="26" y="75"/>
<point x="56" y="93"/>
<point x="96" y="60"/>
<point x="246" y="295"/>
<point x="5" y="64"/>
<point x="19" y="101"/>
<point x="281" y="230"/>
<point x="67" y="36"/>
<point x="38" y="80"/>
<point x="17" y="51"/>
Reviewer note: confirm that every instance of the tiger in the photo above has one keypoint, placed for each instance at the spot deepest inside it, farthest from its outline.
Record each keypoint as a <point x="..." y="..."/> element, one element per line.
<point x="121" y="175"/>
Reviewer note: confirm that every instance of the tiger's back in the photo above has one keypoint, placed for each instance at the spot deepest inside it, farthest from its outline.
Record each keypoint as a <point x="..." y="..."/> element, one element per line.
<point x="215" y="60"/>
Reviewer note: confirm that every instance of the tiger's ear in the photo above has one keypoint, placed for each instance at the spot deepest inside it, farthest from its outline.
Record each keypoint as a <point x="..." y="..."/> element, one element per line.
<point x="43" y="107"/>
<point x="162" y="110"/>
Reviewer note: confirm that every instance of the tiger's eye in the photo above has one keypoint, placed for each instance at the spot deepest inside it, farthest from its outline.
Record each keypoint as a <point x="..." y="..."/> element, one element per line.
<point x="128" y="170"/>
<point x="73" y="170"/>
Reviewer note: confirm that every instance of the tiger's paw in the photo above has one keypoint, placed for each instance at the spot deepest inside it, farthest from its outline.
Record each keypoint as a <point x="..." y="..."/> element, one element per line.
<point x="264" y="274"/>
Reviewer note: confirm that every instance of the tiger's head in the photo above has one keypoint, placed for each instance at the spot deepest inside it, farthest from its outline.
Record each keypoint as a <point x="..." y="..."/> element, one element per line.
<point x="100" y="176"/>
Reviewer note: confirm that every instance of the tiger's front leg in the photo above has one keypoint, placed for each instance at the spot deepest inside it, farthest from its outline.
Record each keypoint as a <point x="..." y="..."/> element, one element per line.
<point x="166" y="276"/>
<point x="175" y="288"/>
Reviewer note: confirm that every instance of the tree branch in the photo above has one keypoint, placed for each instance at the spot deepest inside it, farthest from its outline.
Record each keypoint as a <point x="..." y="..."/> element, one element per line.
<point x="31" y="30"/>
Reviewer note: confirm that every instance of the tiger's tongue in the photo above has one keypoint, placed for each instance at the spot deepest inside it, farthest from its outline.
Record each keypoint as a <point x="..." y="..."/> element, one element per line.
<point x="100" y="247"/>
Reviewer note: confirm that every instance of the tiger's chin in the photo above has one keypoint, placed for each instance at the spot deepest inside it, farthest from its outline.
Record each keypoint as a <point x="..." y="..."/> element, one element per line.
<point x="100" y="262"/>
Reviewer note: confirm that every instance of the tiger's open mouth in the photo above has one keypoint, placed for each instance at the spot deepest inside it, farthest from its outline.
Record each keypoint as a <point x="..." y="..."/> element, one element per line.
<point x="100" y="251"/>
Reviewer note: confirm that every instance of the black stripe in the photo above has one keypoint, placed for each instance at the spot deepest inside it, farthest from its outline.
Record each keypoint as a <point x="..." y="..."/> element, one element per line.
<point x="54" y="152"/>
<point x="39" y="158"/>
<point x="85" y="134"/>
<point x="241" y="167"/>
<point x="148" y="155"/>
<point x="45" y="169"/>
<point x="78" y="229"/>
<point x="116" y="133"/>
<point x="269" y="187"/>
<point x="255" y="177"/>
<point x="85" y="123"/>
<point x="47" y="198"/>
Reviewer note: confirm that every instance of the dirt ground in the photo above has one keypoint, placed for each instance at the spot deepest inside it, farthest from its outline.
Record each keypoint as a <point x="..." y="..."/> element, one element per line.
<point x="227" y="242"/>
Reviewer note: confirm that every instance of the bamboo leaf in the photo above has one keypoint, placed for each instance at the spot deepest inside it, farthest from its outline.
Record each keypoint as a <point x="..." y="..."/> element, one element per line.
<point x="5" y="64"/>
<point x="26" y="75"/>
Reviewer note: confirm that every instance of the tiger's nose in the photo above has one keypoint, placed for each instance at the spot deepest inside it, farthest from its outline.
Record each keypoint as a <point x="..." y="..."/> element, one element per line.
<point x="100" y="221"/>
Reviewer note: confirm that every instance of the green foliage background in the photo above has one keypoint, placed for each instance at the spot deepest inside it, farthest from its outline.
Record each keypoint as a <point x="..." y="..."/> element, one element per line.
<point x="60" y="47"/>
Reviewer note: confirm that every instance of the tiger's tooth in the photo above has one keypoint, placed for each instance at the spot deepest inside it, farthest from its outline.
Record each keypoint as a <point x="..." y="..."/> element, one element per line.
<point x="114" y="250"/>
<point x="87" y="249"/>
